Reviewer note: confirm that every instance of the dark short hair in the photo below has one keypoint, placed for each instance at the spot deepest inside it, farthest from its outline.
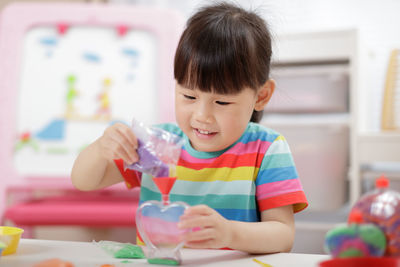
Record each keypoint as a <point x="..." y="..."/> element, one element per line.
<point x="224" y="49"/>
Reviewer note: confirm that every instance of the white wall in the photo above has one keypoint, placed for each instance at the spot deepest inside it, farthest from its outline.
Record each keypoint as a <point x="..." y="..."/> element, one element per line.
<point x="377" y="21"/>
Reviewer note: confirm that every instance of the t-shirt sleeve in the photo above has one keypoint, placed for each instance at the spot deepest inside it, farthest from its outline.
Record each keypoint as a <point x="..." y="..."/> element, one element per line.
<point x="131" y="177"/>
<point x="277" y="182"/>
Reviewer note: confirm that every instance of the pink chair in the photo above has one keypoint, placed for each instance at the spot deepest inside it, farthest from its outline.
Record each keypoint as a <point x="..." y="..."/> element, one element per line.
<point x="35" y="196"/>
<point x="114" y="207"/>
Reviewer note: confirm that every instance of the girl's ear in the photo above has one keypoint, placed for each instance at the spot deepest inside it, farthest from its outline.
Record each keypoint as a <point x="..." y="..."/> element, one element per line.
<point x="264" y="94"/>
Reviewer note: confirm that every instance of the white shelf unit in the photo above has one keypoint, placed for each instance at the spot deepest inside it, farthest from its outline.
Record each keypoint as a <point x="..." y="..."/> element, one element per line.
<point x="377" y="153"/>
<point x="312" y="52"/>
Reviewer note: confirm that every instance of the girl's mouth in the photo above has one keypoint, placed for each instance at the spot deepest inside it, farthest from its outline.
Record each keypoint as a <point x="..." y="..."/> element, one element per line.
<point x="203" y="133"/>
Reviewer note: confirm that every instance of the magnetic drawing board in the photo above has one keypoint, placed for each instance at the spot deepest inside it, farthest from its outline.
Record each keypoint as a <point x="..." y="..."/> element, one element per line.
<point x="77" y="73"/>
<point x="93" y="78"/>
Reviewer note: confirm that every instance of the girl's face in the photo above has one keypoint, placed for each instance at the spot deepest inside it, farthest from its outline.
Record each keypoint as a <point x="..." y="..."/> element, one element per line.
<point x="213" y="121"/>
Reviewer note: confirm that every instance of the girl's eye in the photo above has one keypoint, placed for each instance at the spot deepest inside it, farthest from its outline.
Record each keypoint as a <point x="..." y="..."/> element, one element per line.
<point x="222" y="103"/>
<point x="189" y="97"/>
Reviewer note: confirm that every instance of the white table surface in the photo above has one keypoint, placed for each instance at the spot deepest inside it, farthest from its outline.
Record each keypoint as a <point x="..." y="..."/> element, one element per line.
<point x="87" y="254"/>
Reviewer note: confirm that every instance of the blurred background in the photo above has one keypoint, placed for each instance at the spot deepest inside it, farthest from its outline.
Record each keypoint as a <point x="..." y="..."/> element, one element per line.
<point x="337" y="102"/>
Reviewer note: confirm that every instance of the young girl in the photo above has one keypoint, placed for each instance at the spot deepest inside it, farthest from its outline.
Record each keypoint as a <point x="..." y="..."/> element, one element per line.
<point x="238" y="176"/>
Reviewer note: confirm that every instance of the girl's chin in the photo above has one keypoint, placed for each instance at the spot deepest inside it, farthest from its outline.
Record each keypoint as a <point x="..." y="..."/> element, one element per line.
<point x="206" y="147"/>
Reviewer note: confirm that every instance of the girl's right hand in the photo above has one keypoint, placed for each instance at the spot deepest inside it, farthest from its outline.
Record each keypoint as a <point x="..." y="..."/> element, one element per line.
<point x="119" y="142"/>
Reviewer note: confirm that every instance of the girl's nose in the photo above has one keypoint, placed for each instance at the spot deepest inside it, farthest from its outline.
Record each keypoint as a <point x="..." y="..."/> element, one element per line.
<point x="203" y="113"/>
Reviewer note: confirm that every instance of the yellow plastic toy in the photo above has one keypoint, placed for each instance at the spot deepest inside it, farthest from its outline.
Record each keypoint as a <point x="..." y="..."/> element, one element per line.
<point x="10" y="236"/>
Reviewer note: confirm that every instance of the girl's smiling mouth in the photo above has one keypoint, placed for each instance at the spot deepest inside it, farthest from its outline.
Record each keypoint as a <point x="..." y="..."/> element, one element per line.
<point x="204" y="133"/>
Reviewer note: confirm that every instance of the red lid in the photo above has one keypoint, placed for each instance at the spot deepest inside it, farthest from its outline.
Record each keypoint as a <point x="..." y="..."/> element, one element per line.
<point x="356" y="217"/>
<point x="361" y="262"/>
<point x="382" y="182"/>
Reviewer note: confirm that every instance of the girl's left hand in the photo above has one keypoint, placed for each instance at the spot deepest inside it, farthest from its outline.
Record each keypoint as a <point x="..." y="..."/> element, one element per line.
<point x="209" y="228"/>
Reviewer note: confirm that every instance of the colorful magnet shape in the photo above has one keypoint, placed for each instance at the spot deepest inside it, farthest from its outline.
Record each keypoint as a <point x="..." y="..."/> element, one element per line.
<point x="122" y="30"/>
<point x="62" y="28"/>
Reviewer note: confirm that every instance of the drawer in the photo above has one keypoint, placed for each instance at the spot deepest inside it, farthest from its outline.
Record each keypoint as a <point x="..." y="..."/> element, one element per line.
<point x="320" y="152"/>
<point x="310" y="89"/>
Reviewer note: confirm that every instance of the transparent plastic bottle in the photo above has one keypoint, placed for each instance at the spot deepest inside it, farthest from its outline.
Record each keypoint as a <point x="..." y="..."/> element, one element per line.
<point x="381" y="207"/>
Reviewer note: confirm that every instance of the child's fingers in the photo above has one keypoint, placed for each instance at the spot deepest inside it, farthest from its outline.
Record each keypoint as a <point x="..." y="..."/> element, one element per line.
<point x="128" y="150"/>
<point x="201" y="235"/>
<point x="129" y="143"/>
<point x="195" y="217"/>
<point x="115" y="146"/>
<point x="125" y="156"/>
<point x="188" y="222"/>
<point x="128" y="134"/>
<point x="121" y="130"/>
<point x="199" y="210"/>
<point x="120" y="144"/>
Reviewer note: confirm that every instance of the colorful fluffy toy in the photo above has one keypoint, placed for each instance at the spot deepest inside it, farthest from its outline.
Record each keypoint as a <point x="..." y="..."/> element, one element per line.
<point x="355" y="239"/>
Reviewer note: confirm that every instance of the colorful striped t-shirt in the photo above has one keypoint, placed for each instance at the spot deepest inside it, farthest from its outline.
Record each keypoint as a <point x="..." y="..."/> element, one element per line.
<point x="254" y="174"/>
